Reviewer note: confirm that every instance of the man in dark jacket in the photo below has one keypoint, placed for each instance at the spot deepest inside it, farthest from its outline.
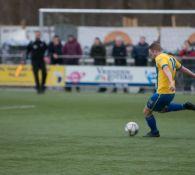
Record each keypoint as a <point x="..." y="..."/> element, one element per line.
<point x="72" y="51"/>
<point x="119" y="52"/>
<point x="98" y="52"/>
<point x="55" y="50"/>
<point x="37" y="50"/>
<point x="140" y="52"/>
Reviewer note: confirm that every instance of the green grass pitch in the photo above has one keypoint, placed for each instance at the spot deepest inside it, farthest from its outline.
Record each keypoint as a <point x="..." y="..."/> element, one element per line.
<point x="83" y="134"/>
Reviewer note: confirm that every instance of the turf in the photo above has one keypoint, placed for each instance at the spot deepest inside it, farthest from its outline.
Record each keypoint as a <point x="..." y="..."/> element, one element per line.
<point x="83" y="134"/>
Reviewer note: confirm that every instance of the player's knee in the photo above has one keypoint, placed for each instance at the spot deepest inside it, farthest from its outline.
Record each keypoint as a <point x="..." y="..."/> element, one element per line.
<point x="146" y="112"/>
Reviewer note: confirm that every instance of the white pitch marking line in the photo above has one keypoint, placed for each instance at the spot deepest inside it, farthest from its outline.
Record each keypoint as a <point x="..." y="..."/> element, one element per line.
<point x="17" y="107"/>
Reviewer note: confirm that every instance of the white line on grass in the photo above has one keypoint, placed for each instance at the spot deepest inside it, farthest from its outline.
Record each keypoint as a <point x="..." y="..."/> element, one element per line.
<point x="17" y="107"/>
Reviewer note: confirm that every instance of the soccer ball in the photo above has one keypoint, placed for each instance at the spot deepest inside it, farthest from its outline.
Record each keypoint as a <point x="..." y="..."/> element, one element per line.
<point x="132" y="128"/>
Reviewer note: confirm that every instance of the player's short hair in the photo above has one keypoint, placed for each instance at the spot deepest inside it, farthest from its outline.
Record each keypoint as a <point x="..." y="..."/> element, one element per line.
<point x="155" y="46"/>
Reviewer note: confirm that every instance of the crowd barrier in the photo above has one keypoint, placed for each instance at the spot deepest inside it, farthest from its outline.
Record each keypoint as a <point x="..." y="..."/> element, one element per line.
<point x="8" y="76"/>
<point x="91" y="75"/>
<point x="80" y="76"/>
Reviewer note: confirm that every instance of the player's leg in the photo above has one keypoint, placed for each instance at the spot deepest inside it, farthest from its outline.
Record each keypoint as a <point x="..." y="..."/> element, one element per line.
<point x="174" y="107"/>
<point x="36" y="77"/>
<point x="179" y="107"/>
<point x="150" y="119"/>
<point x="44" y="76"/>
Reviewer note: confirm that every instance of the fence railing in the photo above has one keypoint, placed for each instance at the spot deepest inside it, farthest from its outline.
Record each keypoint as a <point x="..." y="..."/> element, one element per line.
<point x="83" y="59"/>
<point x="86" y="59"/>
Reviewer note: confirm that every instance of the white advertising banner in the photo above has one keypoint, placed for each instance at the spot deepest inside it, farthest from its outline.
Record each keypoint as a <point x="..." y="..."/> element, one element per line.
<point x="110" y="75"/>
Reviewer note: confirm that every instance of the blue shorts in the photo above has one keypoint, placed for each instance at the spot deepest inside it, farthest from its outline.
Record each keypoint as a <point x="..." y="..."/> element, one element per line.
<point x="158" y="102"/>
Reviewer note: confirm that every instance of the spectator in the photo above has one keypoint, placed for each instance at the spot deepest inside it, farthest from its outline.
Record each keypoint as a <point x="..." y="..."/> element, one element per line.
<point x="98" y="52"/>
<point x="119" y="52"/>
<point x="187" y="50"/>
<point x="140" y="52"/>
<point x="55" y="50"/>
<point x="72" y="51"/>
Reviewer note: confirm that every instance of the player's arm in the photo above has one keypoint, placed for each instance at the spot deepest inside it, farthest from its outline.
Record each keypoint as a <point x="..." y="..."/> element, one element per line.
<point x="168" y="73"/>
<point x="187" y="71"/>
<point x="28" y="51"/>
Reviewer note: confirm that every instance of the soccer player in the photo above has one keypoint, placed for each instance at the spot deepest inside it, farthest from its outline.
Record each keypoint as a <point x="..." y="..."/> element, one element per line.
<point x="161" y="101"/>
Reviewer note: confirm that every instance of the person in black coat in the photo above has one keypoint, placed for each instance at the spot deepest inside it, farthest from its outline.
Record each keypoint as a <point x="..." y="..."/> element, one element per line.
<point x="55" y="50"/>
<point x="37" y="51"/>
<point x="140" y="52"/>
<point x="119" y="53"/>
<point x="98" y="52"/>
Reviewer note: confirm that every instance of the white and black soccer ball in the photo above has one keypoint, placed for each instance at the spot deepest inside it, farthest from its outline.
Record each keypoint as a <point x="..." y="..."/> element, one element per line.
<point x="132" y="128"/>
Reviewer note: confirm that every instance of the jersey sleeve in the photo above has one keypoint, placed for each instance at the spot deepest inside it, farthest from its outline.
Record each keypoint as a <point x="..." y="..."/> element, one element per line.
<point x="161" y="62"/>
<point x="178" y="65"/>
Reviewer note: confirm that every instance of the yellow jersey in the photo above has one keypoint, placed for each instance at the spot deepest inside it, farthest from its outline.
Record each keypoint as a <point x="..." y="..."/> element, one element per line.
<point x="163" y="60"/>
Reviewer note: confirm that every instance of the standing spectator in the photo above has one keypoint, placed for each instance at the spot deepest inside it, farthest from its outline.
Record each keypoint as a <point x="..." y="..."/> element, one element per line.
<point x="72" y="51"/>
<point x="140" y="52"/>
<point x="98" y="52"/>
<point x="187" y="50"/>
<point x="119" y="52"/>
<point x="55" y="50"/>
<point x="37" y="50"/>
